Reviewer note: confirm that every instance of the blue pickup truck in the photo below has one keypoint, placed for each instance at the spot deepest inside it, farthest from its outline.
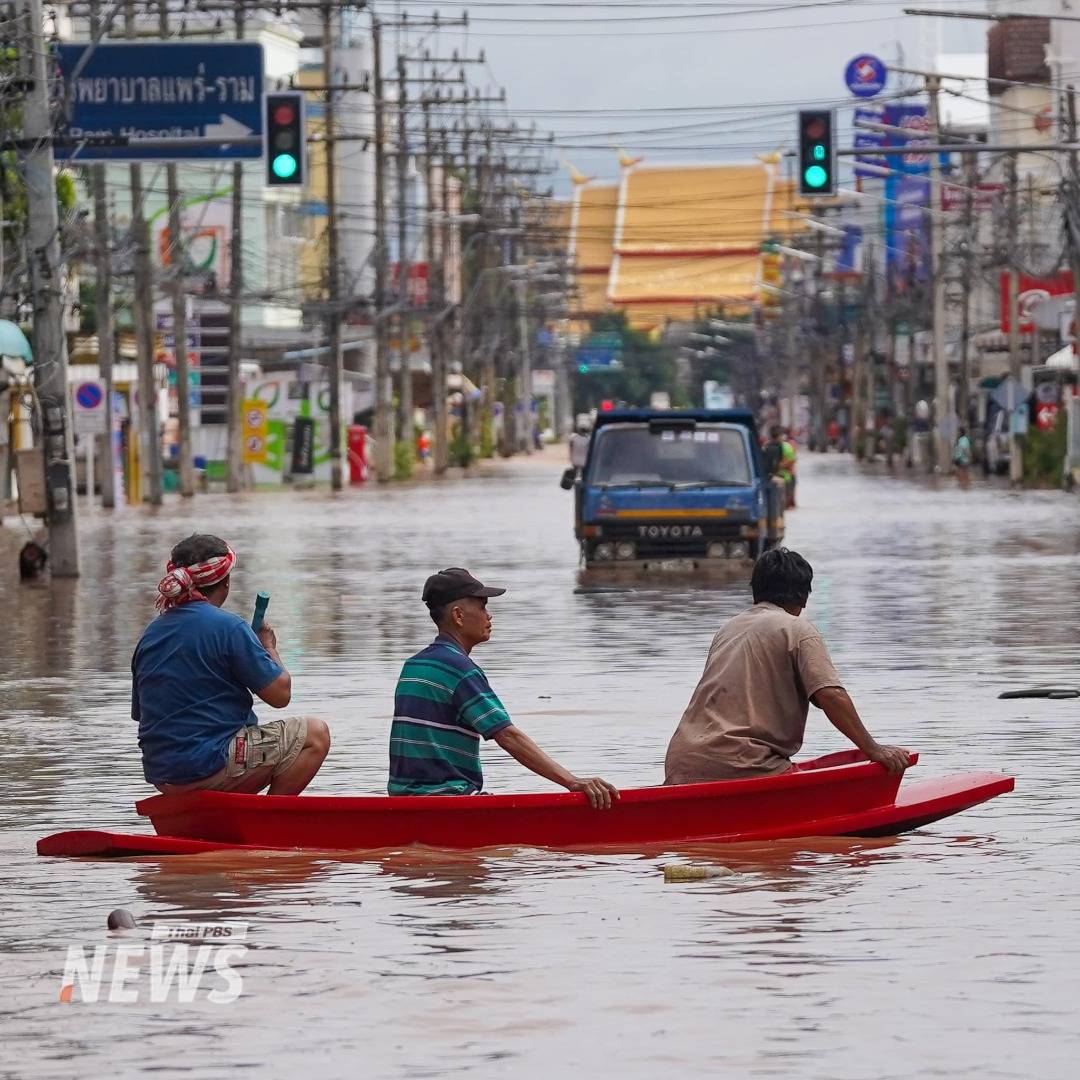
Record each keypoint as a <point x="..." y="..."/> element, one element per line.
<point x="675" y="488"/>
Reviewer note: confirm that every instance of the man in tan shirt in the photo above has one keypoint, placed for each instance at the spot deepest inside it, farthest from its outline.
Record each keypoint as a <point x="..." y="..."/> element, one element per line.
<point x="747" y="716"/>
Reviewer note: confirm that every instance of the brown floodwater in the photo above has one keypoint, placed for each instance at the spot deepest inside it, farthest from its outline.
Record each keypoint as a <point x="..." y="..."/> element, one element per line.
<point x="951" y="951"/>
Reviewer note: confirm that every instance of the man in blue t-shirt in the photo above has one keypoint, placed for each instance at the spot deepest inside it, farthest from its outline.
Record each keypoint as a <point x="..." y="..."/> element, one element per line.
<point x="193" y="674"/>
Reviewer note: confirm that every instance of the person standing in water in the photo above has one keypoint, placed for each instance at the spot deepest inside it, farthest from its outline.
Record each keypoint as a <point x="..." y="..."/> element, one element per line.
<point x="962" y="455"/>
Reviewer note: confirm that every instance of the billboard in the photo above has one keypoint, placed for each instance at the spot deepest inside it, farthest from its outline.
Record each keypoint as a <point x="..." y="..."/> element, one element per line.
<point x="907" y="191"/>
<point x="204" y="244"/>
<point x="1035" y="293"/>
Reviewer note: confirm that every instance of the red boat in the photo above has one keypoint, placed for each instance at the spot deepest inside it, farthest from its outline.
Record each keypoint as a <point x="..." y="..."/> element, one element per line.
<point x="838" y="795"/>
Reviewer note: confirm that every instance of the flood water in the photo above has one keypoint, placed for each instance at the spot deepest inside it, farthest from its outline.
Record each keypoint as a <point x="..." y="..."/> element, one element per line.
<point x="951" y="951"/>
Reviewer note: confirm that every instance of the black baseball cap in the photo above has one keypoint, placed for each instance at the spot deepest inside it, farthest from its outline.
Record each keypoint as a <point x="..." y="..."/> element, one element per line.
<point x="453" y="584"/>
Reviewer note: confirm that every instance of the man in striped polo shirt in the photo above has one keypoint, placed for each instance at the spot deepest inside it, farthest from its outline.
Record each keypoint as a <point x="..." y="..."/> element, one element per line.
<point x="444" y="705"/>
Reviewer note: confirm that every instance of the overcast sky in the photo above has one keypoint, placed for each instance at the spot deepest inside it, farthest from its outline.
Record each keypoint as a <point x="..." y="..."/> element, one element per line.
<point x="699" y="60"/>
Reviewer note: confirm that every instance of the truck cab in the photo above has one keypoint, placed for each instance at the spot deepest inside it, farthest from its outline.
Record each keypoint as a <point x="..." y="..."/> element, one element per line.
<point x="684" y="489"/>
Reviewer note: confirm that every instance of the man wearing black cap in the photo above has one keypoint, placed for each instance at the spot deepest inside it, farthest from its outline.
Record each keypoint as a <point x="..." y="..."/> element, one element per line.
<point x="444" y="705"/>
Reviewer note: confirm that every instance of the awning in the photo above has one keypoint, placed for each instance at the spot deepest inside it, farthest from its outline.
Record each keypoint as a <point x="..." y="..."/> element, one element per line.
<point x="13" y="342"/>
<point x="1063" y="360"/>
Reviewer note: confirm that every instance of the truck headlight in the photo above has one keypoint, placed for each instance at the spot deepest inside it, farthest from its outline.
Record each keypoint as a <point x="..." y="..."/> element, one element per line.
<point x="603" y="552"/>
<point x="625" y="550"/>
<point x="717" y="551"/>
<point x="739" y="550"/>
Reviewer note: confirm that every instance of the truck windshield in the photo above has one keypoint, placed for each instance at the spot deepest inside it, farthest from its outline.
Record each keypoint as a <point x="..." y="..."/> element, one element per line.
<point x="634" y="456"/>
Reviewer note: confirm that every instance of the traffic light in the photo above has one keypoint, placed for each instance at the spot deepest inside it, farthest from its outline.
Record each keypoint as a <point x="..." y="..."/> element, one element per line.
<point x="772" y="278"/>
<point x="817" y="152"/>
<point x="284" y="148"/>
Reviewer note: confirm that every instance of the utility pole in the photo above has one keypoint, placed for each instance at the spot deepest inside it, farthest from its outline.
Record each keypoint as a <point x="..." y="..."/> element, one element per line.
<point x="179" y="309"/>
<point x="488" y="371"/>
<point x="436" y="282"/>
<point x="106" y="328"/>
<point x="405" y="395"/>
<point x="333" y="261"/>
<point x="384" y="416"/>
<point x="438" y="344"/>
<point x="859" y="367"/>
<point x="1034" y="358"/>
<point x="820" y="382"/>
<point x="1072" y="243"/>
<point x="524" y="404"/>
<point x="1016" y="460"/>
<point x="234" y="455"/>
<point x="105" y="331"/>
<point x="143" y="316"/>
<point x="49" y="343"/>
<point x="1072" y="202"/>
<point x="943" y="433"/>
<point x="963" y="400"/>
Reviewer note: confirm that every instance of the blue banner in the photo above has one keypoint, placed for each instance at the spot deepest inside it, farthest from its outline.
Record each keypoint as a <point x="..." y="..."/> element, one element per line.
<point x="907" y="189"/>
<point x="869" y="164"/>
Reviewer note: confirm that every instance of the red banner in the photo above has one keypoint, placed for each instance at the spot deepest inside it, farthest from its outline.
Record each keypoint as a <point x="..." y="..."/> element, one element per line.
<point x="954" y="198"/>
<point x="1033" y="291"/>
<point x="418" y="282"/>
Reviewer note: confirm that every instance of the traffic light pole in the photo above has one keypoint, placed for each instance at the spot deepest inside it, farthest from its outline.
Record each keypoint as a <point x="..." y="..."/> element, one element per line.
<point x="234" y="463"/>
<point x="333" y="275"/>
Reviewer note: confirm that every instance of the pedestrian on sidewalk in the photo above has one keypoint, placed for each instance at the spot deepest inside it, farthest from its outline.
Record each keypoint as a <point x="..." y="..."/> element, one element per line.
<point x="962" y="459"/>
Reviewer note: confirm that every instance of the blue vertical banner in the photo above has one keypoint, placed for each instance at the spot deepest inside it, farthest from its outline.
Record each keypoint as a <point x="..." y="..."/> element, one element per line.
<point x="868" y="164"/>
<point x="907" y="189"/>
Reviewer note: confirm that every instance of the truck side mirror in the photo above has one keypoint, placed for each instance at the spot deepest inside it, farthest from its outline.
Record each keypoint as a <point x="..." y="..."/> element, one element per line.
<point x="568" y="478"/>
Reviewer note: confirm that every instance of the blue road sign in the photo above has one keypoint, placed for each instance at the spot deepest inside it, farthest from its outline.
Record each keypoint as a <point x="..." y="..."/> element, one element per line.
<point x="165" y="92"/>
<point x="865" y="75"/>
<point x="597" y="359"/>
<point x="89" y="395"/>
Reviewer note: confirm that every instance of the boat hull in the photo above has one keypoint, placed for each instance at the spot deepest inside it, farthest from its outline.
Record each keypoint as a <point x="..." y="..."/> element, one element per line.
<point x="916" y="805"/>
<point x="828" y="788"/>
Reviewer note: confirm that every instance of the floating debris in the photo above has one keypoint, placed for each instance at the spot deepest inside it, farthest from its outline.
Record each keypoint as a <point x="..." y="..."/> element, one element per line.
<point x="121" y="920"/>
<point x="674" y="873"/>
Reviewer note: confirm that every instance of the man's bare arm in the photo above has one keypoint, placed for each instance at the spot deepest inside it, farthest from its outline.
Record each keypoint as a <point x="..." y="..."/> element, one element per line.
<point x="837" y="705"/>
<point x="277" y="694"/>
<point x="519" y="746"/>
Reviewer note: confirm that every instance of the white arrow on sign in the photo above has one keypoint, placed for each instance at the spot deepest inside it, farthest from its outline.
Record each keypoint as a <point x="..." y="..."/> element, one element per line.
<point x="228" y="128"/>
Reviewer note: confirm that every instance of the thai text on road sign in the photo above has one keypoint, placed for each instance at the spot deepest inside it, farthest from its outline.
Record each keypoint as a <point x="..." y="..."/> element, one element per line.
<point x="117" y="93"/>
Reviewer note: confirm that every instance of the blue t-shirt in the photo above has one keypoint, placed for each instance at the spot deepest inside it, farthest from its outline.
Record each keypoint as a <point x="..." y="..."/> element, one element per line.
<point x="191" y="680"/>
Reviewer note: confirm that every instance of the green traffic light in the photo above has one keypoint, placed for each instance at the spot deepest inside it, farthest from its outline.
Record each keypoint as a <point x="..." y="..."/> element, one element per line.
<point x="815" y="177"/>
<point x="583" y="369"/>
<point x="818" y="152"/>
<point x="284" y="166"/>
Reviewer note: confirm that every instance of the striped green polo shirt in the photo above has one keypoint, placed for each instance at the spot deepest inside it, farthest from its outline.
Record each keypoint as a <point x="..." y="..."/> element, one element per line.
<point x="443" y="707"/>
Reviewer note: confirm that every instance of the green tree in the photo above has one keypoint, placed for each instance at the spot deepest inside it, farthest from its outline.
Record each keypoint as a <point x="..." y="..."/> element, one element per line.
<point x="646" y="368"/>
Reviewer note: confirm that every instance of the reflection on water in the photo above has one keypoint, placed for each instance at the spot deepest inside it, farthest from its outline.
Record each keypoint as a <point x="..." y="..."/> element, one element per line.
<point x="947" y="952"/>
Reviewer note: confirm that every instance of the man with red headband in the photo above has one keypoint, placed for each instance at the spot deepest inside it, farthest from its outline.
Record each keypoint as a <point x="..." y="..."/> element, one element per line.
<point x="193" y="674"/>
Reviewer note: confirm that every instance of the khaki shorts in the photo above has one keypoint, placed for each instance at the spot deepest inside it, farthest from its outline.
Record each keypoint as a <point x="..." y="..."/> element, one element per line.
<point x="271" y="748"/>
